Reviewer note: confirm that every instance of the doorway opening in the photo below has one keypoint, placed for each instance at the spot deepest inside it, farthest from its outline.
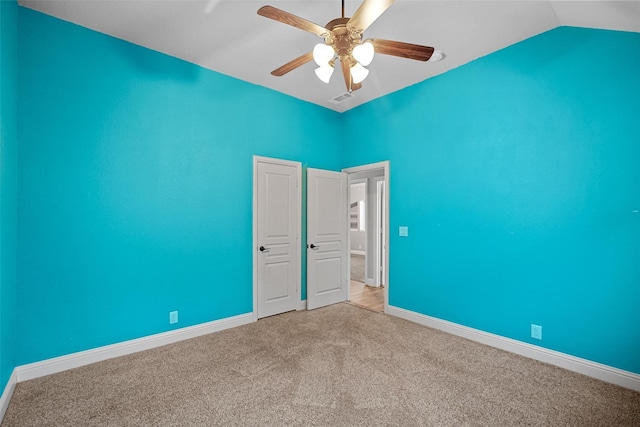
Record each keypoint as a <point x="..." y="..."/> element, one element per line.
<point x="368" y="207"/>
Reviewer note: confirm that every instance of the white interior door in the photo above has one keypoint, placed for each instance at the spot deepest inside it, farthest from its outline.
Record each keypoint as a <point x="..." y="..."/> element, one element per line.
<point x="276" y="237"/>
<point x="327" y="250"/>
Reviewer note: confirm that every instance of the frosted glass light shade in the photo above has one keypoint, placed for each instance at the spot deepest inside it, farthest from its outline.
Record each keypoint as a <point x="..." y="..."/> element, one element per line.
<point x="359" y="73"/>
<point x="324" y="73"/>
<point x="437" y="55"/>
<point x="363" y="53"/>
<point x="322" y="54"/>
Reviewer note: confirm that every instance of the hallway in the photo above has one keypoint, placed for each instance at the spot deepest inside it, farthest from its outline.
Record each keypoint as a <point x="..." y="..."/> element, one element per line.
<point x="364" y="296"/>
<point x="367" y="296"/>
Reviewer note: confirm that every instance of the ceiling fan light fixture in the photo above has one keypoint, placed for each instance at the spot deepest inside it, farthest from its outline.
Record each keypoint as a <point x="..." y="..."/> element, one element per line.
<point x="363" y="53"/>
<point x="324" y="73"/>
<point x="322" y="54"/>
<point x="344" y="42"/>
<point x="358" y="73"/>
<point x="437" y="55"/>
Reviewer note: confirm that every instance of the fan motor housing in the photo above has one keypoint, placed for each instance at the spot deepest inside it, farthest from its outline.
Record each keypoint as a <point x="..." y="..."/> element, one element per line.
<point x="341" y="38"/>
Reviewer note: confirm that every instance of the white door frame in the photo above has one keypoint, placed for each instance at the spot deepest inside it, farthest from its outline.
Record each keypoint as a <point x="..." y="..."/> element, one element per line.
<point x="380" y="230"/>
<point x="385" y="165"/>
<point x="298" y="166"/>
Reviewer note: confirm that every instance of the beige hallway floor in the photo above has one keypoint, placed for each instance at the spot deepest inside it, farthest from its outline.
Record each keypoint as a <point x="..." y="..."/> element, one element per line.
<point x="366" y="296"/>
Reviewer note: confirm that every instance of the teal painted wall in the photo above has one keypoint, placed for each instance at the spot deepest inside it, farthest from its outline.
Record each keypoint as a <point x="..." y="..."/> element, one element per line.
<point x="135" y="183"/>
<point x="8" y="185"/>
<point x="518" y="176"/>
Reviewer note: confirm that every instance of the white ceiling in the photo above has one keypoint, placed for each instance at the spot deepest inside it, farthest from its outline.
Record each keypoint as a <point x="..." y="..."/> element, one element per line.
<point x="229" y="37"/>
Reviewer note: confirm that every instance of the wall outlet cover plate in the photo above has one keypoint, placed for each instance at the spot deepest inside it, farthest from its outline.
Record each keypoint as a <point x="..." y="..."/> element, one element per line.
<point x="536" y="331"/>
<point x="173" y="317"/>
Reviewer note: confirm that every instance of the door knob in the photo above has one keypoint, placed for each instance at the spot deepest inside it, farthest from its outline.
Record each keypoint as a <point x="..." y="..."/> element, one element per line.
<point x="263" y="249"/>
<point x="314" y="247"/>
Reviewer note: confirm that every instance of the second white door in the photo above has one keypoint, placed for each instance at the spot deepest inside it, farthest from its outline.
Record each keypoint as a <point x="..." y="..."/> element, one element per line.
<point x="327" y="281"/>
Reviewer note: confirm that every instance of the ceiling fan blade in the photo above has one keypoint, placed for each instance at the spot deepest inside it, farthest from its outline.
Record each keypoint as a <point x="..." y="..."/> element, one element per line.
<point x="367" y="13"/>
<point x="292" y="65"/>
<point x="293" y="20"/>
<point x="401" y="49"/>
<point x="356" y="86"/>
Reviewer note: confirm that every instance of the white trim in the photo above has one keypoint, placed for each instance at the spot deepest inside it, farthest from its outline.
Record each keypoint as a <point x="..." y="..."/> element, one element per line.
<point x="303" y="305"/>
<point x="7" y="393"/>
<point x="380" y="232"/>
<point x="371" y="166"/>
<point x="386" y="166"/>
<point x="357" y="252"/>
<point x="298" y="166"/>
<point x="583" y="366"/>
<point x="82" y="358"/>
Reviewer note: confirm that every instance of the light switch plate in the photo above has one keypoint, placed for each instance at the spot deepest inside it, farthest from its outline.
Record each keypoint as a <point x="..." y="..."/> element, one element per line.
<point x="404" y="231"/>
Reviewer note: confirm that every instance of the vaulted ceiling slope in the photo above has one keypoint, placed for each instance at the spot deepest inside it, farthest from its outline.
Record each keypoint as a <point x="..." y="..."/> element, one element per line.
<point x="229" y="37"/>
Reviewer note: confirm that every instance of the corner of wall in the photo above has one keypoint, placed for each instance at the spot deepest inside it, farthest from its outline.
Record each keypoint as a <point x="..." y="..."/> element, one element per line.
<point x="8" y="198"/>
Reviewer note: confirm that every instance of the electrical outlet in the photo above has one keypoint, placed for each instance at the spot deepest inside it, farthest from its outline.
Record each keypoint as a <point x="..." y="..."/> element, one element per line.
<point x="173" y="317"/>
<point x="536" y="331"/>
<point x="403" y="231"/>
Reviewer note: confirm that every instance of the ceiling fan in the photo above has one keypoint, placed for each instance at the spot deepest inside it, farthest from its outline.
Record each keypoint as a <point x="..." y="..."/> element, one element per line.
<point x="343" y="42"/>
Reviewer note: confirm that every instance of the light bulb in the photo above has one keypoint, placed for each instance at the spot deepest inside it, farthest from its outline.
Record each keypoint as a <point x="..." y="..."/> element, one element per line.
<point x="322" y="54"/>
<point x="363" y="53"/>
<point x="324" y="73"/>
<point x="358" y="73"/>
<point x="436" y="56"/>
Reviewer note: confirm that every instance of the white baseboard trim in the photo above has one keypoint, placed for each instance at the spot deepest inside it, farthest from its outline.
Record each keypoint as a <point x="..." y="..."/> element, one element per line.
<point x="7" y="393"/>
<point x="583" y="366"/>
<point x="82" y="358"/>
<point x="303" y="305"/>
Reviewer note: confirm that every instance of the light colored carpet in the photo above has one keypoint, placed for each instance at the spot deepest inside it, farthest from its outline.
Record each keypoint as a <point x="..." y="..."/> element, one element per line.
<point x="357" y="268"/>
<point x="336" y="366"/>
